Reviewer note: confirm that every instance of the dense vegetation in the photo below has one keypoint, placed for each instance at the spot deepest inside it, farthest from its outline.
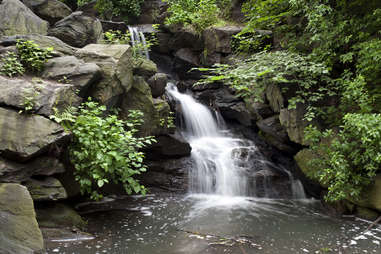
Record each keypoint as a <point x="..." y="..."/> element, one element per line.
<point x="105" y="149"/>
<point x="330" y="50"/>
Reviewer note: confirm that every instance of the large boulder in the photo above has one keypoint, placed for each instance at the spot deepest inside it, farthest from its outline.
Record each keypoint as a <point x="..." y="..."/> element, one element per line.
<point x="19" y="232"/>
<point x="185" y="60"/>
<point x="157" y="83"/>
<point x="168" y="146"/>
<point x="46" y="189"/>
<point x="116" y="67"/>
<point x="56" y="215"/>
<point x="59" y="47"/>
<point x="40" y="96"/>
<point x="72" y="70"/>
<point x="78" y="30"/>
<point x="139" y="97"/>
<point x="370" y="197"/>
<point x="144" y="67"/>
<point x="275" y="134"/>
<point x="50" y="10"/>
<point x="15" y="172"/>
<point x="16" y="18"/>
<point x="217" y="42"/>
<point x="26" y="136"/>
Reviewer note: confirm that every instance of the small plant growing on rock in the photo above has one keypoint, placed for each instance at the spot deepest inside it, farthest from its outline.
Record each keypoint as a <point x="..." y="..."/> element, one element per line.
<point x="104" y="149"/>
<point x="11" y="65"/>
<point x="32" y="56"/>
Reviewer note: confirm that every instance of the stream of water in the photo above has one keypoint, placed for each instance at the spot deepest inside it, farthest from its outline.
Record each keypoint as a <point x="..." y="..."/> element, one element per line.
<point x="235" y="205"/>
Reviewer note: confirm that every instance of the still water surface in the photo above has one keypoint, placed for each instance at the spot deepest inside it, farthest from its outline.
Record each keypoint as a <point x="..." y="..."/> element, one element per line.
<point x="200" y="224"/>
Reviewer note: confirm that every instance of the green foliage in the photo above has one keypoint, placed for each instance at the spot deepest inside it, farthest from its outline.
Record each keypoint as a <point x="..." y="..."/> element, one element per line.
<point x="290" y="71"/>
<point x="116" y="37"/>
<point x="29" y="99"/>
<point x="352" y="157"/>
<point x="168" y="122"/>
<point x="121" y="8"/>
<point x="11" y="65"/>
<point x="199" y="14"/>
<point x="32" y="56"/>
<point x="105" y="149"/>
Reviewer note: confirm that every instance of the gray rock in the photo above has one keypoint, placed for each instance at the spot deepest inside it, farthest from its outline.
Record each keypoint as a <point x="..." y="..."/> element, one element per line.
<point x="11" y="171"/>
<point x="16" y="18"/>
<point x="157" y="83"/>
<point x="168" y="146"/>
<point x="77" y="30"/>
<point x="50" y="10"/>
<point x="26" y="136"/>
<point x="144" y="67"/>
<point x="46" y="189"/>
<point x="74" y="71"/>
<point x="19" y="233"/>
<point x="273" y="127"/>
<point x="115" y="62"/>
<point x="294" y="123"/>
<point x="184" y="37"/>
<point x="139" y="98"/>
<point x="39" y="94"/>
<point x="59" y="47"/>
<point x="59" y="216"/>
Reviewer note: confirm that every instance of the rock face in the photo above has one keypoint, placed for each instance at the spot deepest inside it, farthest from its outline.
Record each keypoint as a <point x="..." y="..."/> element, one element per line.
<point x="293" y="122"/>
<point x="144" y="67"/>
<point x="19" y="232"/>
<point x="58" y="216"/>
<point x="50" y="10"/>
<point x="47" y="189"/>
<point x="70" y="69"/>
<point x="26" y="136"/>
<point x="59" y="47"/>
<point x="139" y="98"/>
<point x="116" y="67"/>
<point x="157" y="83"/>
<point x="168" y="146"/>
<point x="11" y="171"/>
<point x="78" y="30"/>
<point x="16" y="18"/>
<point x="41" y="95"/>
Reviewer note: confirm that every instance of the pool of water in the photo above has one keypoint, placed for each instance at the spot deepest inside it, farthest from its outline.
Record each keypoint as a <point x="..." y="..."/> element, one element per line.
<point x="199" y="224"/>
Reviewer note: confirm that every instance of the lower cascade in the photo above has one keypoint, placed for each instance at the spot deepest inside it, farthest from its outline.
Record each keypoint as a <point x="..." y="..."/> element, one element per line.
<point x="225" y="164"/>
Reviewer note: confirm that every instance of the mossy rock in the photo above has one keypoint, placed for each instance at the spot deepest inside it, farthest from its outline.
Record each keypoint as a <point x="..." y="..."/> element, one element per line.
<point x="370" y="197"/>
<point x="366" y="213"/>
<point x="56" y="215"/>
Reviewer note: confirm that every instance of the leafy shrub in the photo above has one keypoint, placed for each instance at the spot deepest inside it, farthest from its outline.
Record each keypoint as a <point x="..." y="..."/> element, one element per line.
<point x="32" y="56"/>
<point x="351" y="159"/>
<point x="116" y="37"/>
<point x="198" y="14"/>
<point x="290" y="71"/>
<point x="104" y="149"/>
<point x="11" y="65"/>
<point x="122" y="8"/>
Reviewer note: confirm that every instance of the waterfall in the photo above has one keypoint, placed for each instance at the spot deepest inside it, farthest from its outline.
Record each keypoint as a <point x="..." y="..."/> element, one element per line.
<point x="138" y="41"/>
<point x="223" y="163"/>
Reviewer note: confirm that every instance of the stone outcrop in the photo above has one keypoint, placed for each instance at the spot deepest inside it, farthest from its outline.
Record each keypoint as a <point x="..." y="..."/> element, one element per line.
<point x="144" y="67"/>
<point x="157" y="83"/>
<point x="116" y="67"/>
<point x="16" y="18"/>
<point x="26" y="136"/>
<point x="57" y="215"/>
<point x="39" y="95"/>
<point x="69" y="69"/>
<point x="77" y="30"/>
<point x="11" y="171"/>
<point x="46" y="189"/>
<point x="59" y="47"/>
<point x="168" y="146"/>
<point x="19" y="232"/>
<point x="50" y="10"/>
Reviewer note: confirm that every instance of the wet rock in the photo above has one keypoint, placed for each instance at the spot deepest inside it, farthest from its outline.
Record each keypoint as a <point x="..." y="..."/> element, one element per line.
<point x="16" y="18"/>
<point x="168" y="146"/>
<point x="259" y="109"/>
<point x="366" y="213"/>
<point x="56" y="215"/>
<point x="46" y="189"/>
<point x="303" y="159"/>
<point x="70" y="69"/>
<point x="11" y="171"/>
<point x="184" y="37"/>
<point x="370" y="198"/>
<point x="77" y="30"/>
<point x="41" y="95"/>
<point x="270" y="184"/>
<point x="185" y="60"/>
<point x="116" y="66"/>
<point x="26" y="136"/>
<point x="20" y="233"/>
<point x="59" y="47"/>
<point x="157" y="83"/>
<point x="144" y="67"/>
<point x="50" y="10"/>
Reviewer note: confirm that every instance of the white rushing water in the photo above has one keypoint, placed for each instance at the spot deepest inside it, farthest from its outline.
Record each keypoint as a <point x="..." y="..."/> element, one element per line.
<point x="138" y="40"/>
<point x="224" y="163"/>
